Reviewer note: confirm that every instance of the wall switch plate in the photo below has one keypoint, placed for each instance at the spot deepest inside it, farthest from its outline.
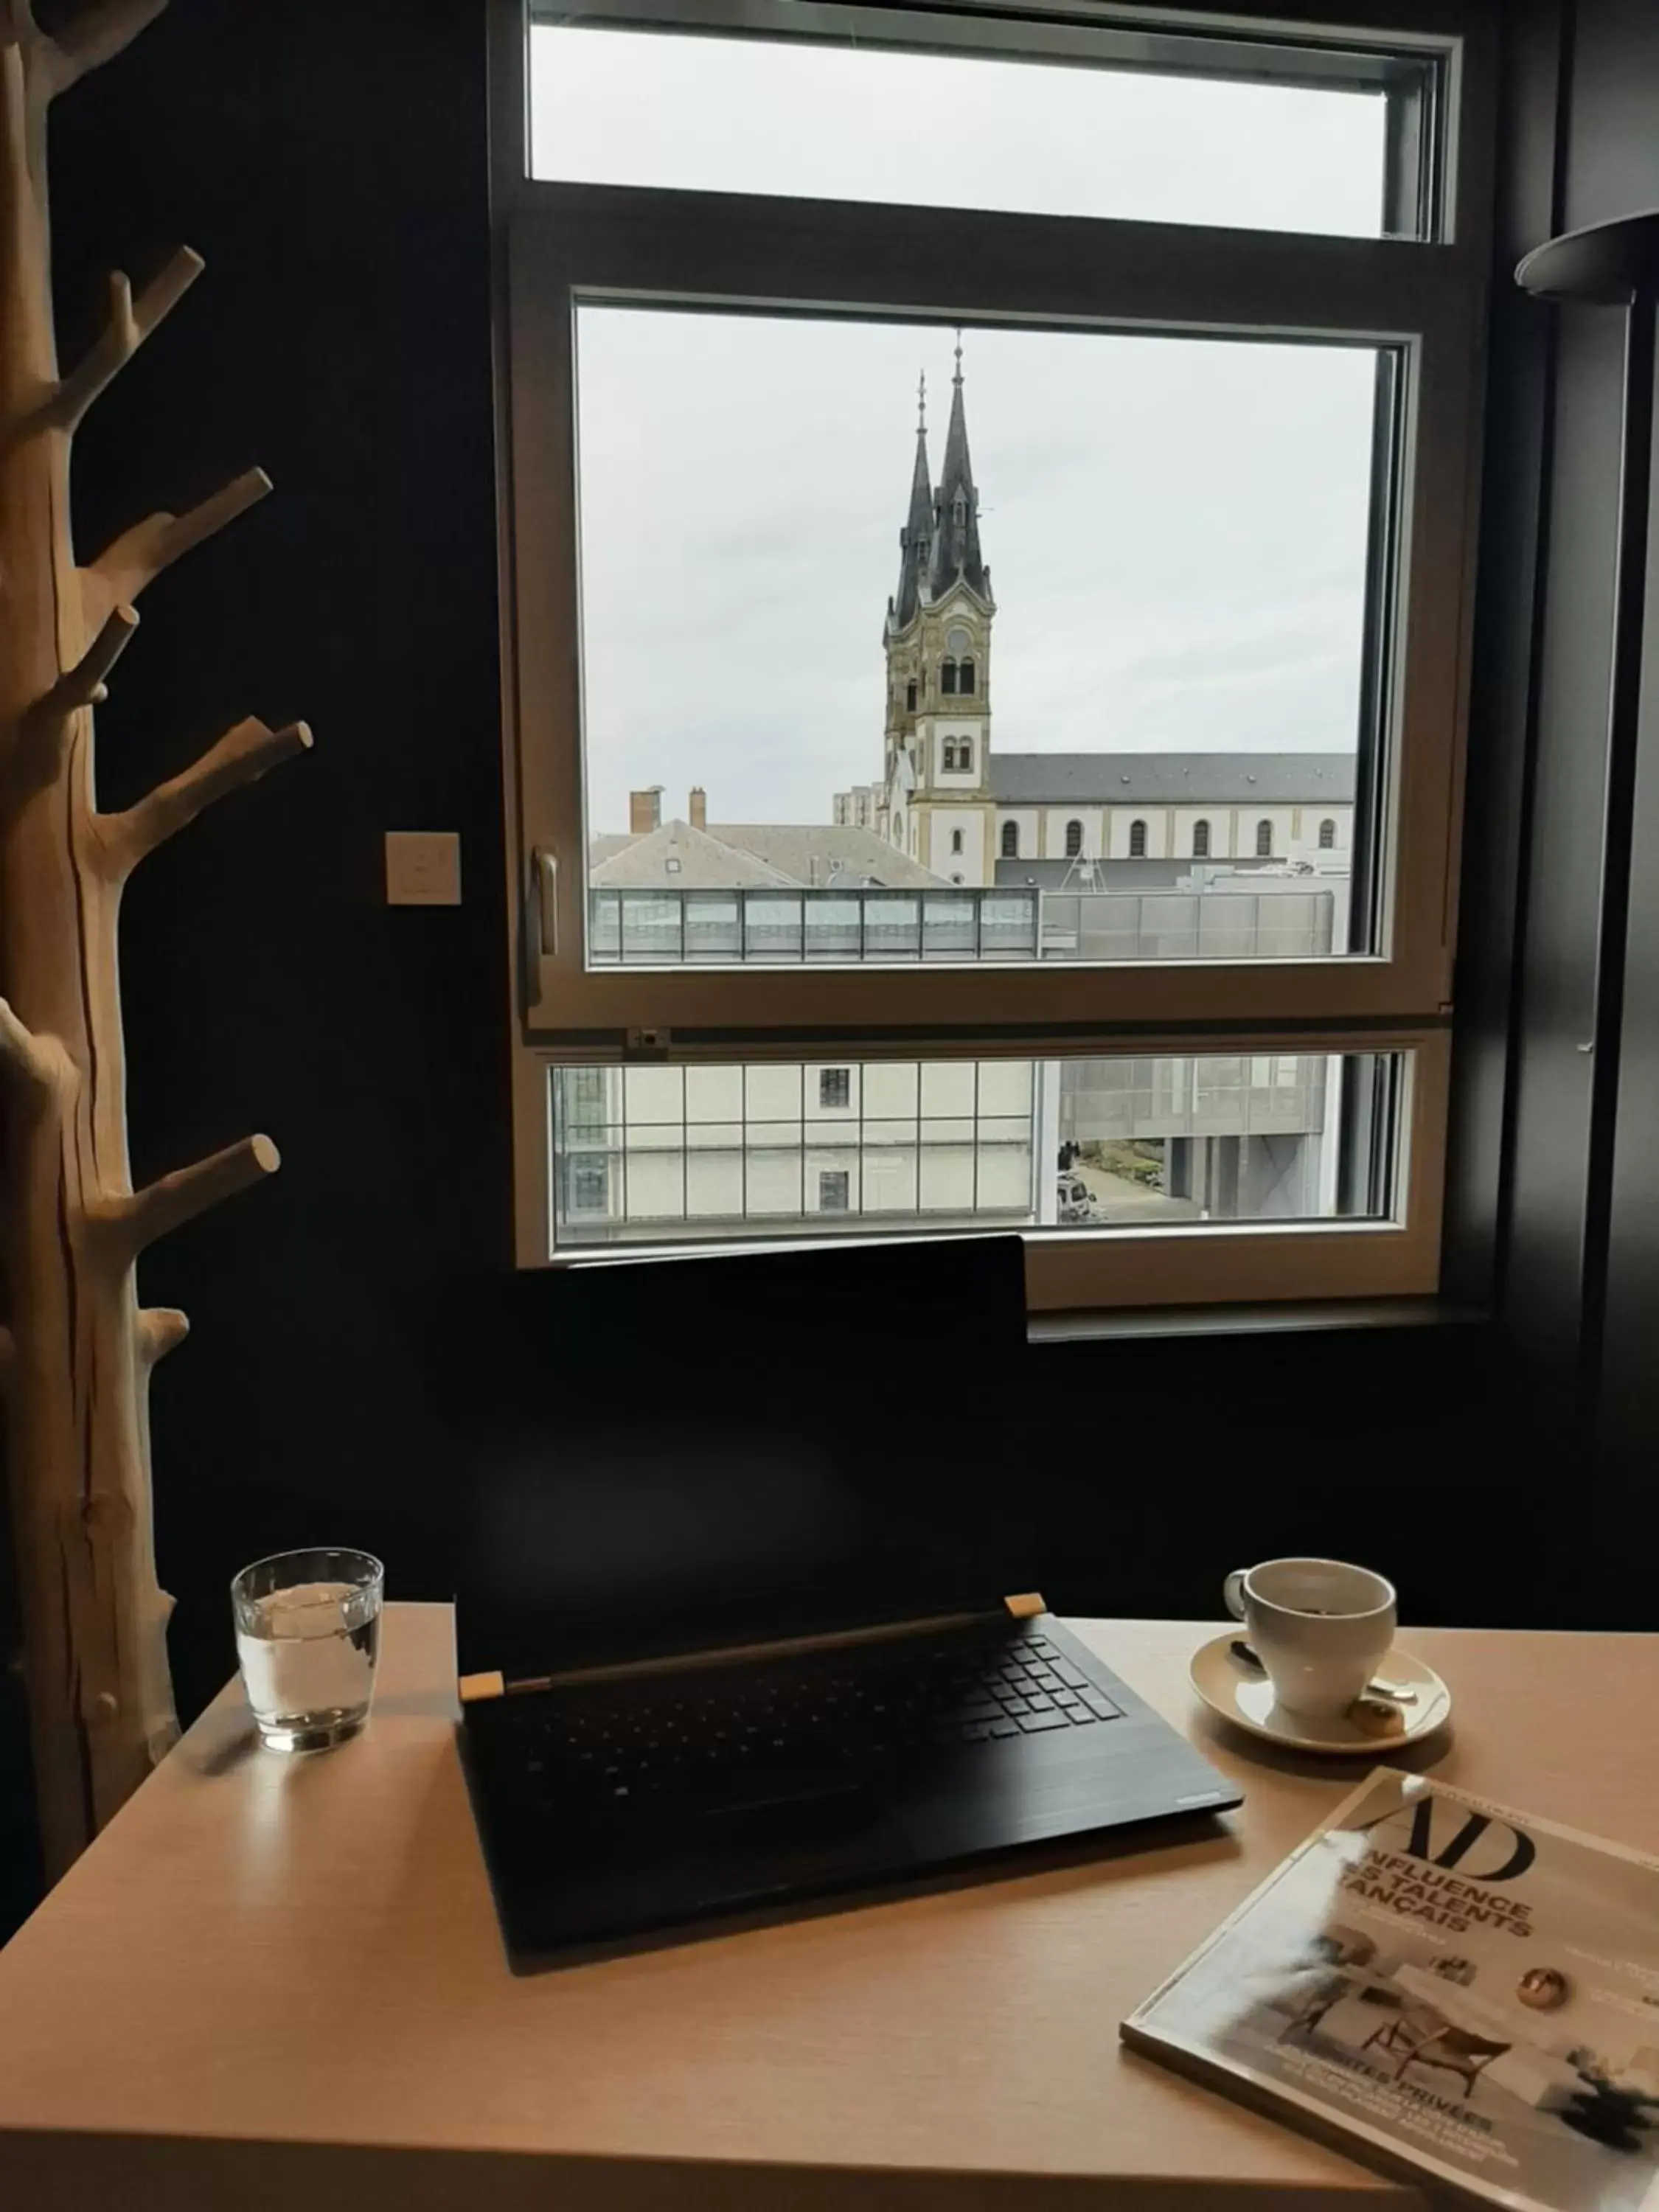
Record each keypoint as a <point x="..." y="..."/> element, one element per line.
<point x="423" y="867"/>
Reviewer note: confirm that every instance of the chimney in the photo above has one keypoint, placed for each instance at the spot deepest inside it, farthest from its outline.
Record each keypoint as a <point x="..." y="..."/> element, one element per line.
<point x="699" y="807"/>
<point x="645" y="811"/>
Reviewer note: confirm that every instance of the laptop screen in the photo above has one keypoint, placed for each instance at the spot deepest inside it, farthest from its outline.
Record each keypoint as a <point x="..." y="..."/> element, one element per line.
<point x="673" y="1455"/>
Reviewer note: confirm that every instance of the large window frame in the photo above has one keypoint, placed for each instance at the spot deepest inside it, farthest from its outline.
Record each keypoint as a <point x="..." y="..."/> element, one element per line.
<point x="1420" y="298"/>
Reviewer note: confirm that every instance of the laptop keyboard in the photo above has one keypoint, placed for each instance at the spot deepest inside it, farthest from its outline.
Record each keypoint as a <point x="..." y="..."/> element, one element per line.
<point x="826" y="1713"/>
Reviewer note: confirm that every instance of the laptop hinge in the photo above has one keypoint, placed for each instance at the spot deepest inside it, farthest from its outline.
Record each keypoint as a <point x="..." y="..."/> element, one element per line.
<point x="474" y="1687"/>
<point x="1026" y="1606"/>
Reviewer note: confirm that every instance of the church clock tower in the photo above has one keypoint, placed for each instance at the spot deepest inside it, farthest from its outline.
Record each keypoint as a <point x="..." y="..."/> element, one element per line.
<point x="936" y="782"/>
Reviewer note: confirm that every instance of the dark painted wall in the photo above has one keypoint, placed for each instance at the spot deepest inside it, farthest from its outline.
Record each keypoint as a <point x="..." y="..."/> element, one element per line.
<point x="1584" y="1330"/>
<point x="330" y="162"/>
<point x="1615" y="170"/>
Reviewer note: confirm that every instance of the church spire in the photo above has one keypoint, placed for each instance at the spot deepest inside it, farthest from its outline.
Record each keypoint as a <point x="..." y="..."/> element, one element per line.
<point x="955" y="530"/>
<point x="915" y="540"/>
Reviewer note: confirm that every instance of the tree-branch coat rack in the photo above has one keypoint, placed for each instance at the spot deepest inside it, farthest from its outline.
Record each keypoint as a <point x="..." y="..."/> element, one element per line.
<point x="76" y="1350"/>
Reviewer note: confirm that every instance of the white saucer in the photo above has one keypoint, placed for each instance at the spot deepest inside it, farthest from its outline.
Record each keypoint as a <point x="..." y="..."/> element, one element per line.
<point x="1246" y="1699"/>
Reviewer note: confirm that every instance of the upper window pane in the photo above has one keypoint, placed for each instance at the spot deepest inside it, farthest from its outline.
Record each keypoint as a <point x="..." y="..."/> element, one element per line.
<point x="1045" y="126"/>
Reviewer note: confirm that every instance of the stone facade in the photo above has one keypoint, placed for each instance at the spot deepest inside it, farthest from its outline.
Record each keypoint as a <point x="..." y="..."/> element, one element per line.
<point x="948" y="802"/>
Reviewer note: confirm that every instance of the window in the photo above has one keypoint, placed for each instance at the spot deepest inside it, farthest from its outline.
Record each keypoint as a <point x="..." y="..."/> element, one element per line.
<point x="834" y="1086"/>
<point x="643" y="225"/>
<point x="1326" y="835"/>
<point x="646" y="102"/>
<point x="955" y="841"/>
<point x="589" y="1188"/>
<point x="584" y="1096"/>
<point x="1185" y="1145"/>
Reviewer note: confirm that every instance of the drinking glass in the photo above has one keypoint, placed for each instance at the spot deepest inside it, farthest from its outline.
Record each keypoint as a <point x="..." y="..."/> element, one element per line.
<point x="307" y="1637"/>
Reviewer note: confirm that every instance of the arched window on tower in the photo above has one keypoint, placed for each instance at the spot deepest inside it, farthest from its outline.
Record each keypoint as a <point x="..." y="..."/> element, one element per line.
<point x="948" y="755"/>
<point x="947" y="675"/>
<point x="1073" y="839"/>
<point x="1137" y="841"/>
<point x="910" y="696"/>
<point x="1010" y="841"/>
<point x="965" y="755"/>
<point x="1200" y="840"/>
<point x="1327" y="836"/>
<point x="955" y="841"/>
<point x="1264" y="841"/>
<point x="965" y="675"/>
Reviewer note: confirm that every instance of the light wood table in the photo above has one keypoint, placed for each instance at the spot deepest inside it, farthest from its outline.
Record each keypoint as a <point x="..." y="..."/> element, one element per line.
<point x="278" y="1981"/>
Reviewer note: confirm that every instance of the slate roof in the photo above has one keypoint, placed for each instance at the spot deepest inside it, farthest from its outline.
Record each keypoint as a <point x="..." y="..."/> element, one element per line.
<point x="810" y="853"/>
<point x="914" y="538"/>
<point x="956" y="541"/>
<point x="939" y="541"/>
<point x="728" y="854"/>
<point x="1171" y="779"/>
<point x="702" y="863"/>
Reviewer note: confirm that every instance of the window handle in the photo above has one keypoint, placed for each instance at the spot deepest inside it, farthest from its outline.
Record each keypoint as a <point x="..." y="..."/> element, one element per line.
<point x="545" y="871"/>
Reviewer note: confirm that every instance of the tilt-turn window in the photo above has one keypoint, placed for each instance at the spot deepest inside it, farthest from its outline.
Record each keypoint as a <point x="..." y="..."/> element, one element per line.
<point x="963" y="467"/>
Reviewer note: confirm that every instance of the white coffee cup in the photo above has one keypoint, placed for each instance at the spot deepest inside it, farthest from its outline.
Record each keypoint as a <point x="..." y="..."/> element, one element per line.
<point x="1320" y="1627"/>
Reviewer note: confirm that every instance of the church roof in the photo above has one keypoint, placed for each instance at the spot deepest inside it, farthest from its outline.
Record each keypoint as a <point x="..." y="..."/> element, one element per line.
<point x="915" y="537"/>
<point x="956" y="506"/>
<point x="1171" y="779"/>
<point x="939" y="541"/>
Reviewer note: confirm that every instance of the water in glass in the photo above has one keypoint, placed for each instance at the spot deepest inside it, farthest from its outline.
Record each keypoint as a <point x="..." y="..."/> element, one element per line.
<point x="307" y="1640"/>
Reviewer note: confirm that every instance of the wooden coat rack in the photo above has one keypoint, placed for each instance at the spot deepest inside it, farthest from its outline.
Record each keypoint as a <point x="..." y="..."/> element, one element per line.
<point x="77" y="1349"/>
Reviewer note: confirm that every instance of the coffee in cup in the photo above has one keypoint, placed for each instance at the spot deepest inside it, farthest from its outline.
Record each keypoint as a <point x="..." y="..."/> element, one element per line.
<point x="1320" y="1627"/>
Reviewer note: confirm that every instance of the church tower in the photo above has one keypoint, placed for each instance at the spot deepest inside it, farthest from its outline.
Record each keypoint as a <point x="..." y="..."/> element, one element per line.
<point x="936" y="786"/>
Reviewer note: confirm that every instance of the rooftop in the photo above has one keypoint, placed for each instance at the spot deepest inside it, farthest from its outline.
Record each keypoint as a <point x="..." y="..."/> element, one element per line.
<point x="729" y="854"/>
<point x="680" y="857"/>
<point x="1170" y="779"/>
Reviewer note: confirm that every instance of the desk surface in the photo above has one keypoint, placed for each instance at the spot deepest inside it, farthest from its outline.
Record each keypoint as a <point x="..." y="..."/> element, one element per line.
<point x="274" y="1975"/>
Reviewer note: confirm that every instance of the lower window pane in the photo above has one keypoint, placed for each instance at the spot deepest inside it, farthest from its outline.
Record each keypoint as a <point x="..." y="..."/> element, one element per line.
<point x="734" y="1154"/>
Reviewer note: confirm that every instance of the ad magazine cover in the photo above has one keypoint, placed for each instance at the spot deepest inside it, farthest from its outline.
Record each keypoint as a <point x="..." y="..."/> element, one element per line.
<point x="1448" y="1989"/>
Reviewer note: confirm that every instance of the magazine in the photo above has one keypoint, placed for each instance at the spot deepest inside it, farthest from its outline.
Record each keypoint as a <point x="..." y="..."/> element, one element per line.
<point x="1464" y="1994"/>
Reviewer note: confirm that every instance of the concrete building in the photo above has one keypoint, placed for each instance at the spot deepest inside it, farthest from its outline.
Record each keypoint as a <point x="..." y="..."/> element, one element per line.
<point x="647" y="1153"/>
<point x="669" y="1153"/>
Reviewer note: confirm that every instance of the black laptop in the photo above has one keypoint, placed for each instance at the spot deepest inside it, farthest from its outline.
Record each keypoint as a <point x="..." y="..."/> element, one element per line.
<point x="748" y="1605"/>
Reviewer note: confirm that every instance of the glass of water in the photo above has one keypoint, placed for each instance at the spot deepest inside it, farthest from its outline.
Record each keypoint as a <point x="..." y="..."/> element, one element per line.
<point x="307" y="1635"/>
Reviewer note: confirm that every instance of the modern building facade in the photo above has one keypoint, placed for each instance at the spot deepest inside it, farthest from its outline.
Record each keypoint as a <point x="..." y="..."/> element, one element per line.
<point x="675" y="1154"/>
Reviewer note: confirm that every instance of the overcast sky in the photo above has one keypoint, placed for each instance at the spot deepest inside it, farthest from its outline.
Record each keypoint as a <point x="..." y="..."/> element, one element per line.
<point x="1175" y="529"/>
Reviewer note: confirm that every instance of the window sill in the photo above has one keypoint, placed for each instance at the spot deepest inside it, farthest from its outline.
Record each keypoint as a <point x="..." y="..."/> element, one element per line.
<point x="1249" y="1320"/>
